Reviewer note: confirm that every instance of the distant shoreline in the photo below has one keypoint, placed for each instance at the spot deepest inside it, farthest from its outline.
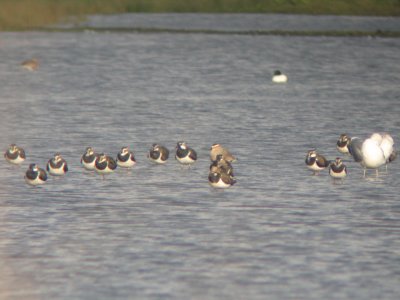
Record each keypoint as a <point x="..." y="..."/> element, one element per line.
<point x="327" y="33"/>
<point x="31" y="15"/>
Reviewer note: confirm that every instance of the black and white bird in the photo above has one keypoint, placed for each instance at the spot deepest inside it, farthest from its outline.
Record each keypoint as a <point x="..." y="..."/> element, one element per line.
<point x="279" y="77"/>
<point x="88" y="159"/>
<point x="221" y="165"/>
<point x="57" y="165"/>
<point x="105" y="164"/>
<point x="337" y="169"/>
<point x="217" y="149"/>
<point x="220" y="179"/>
<point x="342" y="143"/>
<point x="35" y="175"/>
<point x="15" y="155"/>
<point x="316" y="162"/>
<point x="184" y="154"/>
<point x="125" y="158"/>
<point x="158" y="154"/>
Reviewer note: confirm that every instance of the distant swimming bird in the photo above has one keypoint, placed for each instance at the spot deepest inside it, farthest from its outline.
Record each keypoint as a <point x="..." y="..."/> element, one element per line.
<point x="342" y="143"/>
<point x="218" y="149"/>
<point x="30" y="65"/>
<point x="35" y="175"/>
<point x="88" y="159"/>
<point x="316" y="162"/>
<point x="15" y="155"/>
<point x="125" y="158"/>
<point x="337" y="169"/>
<point x="158" y="154"/>
<point x="57" y="165"/>
<point x="184" y="154"/>
<point x="278" y="77"/>
<point x="221" y="165"/>
<point x="220" y="180"/>
<point x="105" y="164"/>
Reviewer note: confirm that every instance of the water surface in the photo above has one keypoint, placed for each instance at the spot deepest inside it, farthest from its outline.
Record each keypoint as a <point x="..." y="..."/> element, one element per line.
<point x="160" y="232"/>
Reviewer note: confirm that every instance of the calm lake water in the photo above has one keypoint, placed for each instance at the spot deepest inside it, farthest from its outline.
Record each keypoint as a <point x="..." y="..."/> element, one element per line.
<point x="161" y="232"/>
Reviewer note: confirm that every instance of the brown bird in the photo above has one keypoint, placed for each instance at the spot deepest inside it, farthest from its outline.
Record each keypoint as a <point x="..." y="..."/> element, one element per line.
<point x="30" y="64"/>
<point x="316" y="162"/>
<point x="218" y="149"/>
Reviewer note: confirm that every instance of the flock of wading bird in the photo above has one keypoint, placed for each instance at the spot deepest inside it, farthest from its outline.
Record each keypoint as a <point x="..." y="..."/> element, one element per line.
<point x="220" y="173"/>
<point x="372" y="153"/>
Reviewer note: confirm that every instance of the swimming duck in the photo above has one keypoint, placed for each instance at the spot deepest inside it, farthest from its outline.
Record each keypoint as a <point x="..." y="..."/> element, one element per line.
<point x="35" y="175"/>
<point x="218" y="149"/>
<point x="316" y="162"/>
<point x="105" y="164"/>
<point x="57" y="165"/>
<point x="158" y="154"/>
<point x="278" y="77"/>
<point x="125" y="158"/>
<point x="15" y="155"/>
<point x="184" y="154"/>
<point x="88" y="159"/>
<point x="337" y="169"/>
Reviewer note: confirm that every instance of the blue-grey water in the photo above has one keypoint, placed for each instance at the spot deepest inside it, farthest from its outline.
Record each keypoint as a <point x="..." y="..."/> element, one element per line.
<point x="161" y="232"/>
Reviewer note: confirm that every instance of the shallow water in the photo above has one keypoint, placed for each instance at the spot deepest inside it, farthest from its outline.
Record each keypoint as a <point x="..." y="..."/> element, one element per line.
<point x="160" y="232"/>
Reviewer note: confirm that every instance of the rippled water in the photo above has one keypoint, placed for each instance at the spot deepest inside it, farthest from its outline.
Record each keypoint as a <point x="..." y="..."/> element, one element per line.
<point x="160" y="232"/>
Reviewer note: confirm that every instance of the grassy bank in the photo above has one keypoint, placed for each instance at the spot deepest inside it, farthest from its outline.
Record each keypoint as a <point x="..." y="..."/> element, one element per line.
<point x="26" y="14"/>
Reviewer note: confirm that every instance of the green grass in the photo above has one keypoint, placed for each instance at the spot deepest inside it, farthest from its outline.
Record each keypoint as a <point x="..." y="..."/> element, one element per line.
<point x="30" y="14"/>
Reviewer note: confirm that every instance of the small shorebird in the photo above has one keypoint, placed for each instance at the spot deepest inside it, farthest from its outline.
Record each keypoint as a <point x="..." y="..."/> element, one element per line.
<point x="125" y="158"/>
<point x="57" y="165"/>
<point x="220" y="164"/>
<point x="15" y="155"/>
<point x="105" y="164"/>
<point x="316" y="162"/>
<point x="158" y="154"/>
<point x="184" y="154"/>
<point x="88" y="159"/>
<point x="337" y="169"/>
<point x="220" y="179"/>
<point x="35" y="175"/>
<point x="218" y="149"/>
<point x="342" y="143"/>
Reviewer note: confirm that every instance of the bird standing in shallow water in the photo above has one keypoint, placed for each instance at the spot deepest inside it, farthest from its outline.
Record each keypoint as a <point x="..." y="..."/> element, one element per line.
<point x="337" y="169"/>
<point x="57" y="165"/>
<point x="88" y="159"/>
<point x="158" y="154"/>
<point x="217" y="149"/>
<point x="220" y="164"/>
<point x="15" y="155"/>
<point x="184" y="154"/>
<point x="35" y="175"/>
<point x="342" y="143"/>
<point x="105" y="164"/>
<point x="125" y="158"/>
<point x="316" y="162"/>
<point x="220" y="179"/>
<point x="373" y="152"/>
